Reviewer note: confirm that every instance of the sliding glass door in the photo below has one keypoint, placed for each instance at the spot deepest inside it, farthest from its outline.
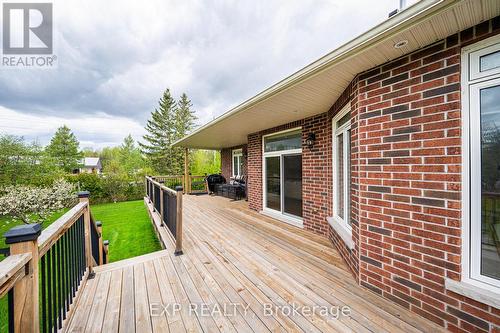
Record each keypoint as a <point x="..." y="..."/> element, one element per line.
<point x="273" y="182"/>
<point x="292" y="184"/>
<point x="283" y="173"/>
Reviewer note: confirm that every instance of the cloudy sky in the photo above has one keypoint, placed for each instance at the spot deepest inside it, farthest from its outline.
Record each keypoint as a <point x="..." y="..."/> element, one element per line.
<point x="115" y="58"/>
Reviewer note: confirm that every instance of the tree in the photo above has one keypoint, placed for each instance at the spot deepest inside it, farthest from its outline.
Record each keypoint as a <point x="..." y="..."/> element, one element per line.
<point x="31" y="204"/>
<point x="14" y="159"/>
<point x="160" y="128"/>
<point x="205" y="161"/>
<point x="130" y="157"/>
<point x="64" y="149"/>
<point x="184" y="123"/>
<point x="24" y="163"/>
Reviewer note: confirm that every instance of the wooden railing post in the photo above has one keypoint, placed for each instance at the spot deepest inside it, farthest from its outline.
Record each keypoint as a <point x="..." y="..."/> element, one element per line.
<point x="23" y="239"/>
<point x="106" y="250"/>
<point x="178" y="226"/>
<point x="187" y="188"/>
<point x="84" y="197"/>
<point x="101" y="246"/>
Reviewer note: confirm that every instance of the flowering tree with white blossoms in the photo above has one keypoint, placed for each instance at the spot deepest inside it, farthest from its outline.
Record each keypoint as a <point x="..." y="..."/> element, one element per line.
<point x="35" y="204"/>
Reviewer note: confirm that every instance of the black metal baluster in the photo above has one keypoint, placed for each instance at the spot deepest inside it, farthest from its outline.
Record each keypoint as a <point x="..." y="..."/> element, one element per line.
<point x="84" y="247"/>
<point x="54" y="288"/>
<point x="48" y="301"/>
<point x="10" y="301"/>
<point x="61" y="280"/>
<point x="44" y="295"/>
<point x="78" y="250"/>
<point x="68" y="272"/>
<point x="65" y="274"/>
<point x="60" y="300"/>
<point x="80" y="245"/>
<point x="73" y="259"/>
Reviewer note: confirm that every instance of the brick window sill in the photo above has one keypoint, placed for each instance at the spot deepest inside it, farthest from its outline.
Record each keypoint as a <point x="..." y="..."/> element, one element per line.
<point x="477" y="293"/>
<point x="342" y="231"/>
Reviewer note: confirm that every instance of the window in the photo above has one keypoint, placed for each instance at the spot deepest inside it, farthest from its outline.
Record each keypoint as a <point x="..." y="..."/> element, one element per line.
<point x="287" y="141"/>
<point x="481" y="82"/>
<point x="341" y="125"/>
<point x="237" y="163"/>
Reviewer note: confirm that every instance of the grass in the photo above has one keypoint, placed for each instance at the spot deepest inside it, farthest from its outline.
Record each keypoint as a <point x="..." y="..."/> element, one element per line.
<point x="127" y="227"/>
<point x="6" y="225"/>
<point x="125" y="224"/>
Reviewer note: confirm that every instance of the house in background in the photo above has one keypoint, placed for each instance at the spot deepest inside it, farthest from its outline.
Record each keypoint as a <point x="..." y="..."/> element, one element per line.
<point x="90" y="165"/>
<point x="390" y="147"/>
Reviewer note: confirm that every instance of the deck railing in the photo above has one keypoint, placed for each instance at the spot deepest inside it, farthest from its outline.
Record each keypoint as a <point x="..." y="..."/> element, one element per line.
<point x="45" y="269"/>
<point x="191" y="185"/>
<point x="167" y="204"/>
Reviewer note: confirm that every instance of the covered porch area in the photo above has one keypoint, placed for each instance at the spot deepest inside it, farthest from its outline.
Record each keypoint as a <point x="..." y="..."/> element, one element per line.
<point x="240" y="271"/>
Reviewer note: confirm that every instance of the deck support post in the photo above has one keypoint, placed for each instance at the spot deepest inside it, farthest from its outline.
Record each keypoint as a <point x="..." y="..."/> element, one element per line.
<point x="24" y="239"/>
<point x="101" y="246"/>
<point x="106" y="250"/>
<point x="178" y="226"/>
<point x="187" y="186"/>
<point x="84" y="197"/>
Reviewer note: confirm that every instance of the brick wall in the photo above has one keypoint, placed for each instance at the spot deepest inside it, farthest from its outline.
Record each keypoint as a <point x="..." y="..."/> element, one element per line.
<point x="226" y="160"/>
<point x="409" y="146"/>
<point x="350" y="95"/>
<point x="405" y="181"/>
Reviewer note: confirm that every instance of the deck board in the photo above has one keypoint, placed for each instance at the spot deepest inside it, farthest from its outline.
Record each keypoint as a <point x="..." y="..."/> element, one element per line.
<point x="233" y="255"/>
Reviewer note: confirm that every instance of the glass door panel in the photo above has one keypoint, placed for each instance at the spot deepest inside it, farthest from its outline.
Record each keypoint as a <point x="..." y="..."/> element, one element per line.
<point x="292" y="184"/>
<point x="273" y="183"/>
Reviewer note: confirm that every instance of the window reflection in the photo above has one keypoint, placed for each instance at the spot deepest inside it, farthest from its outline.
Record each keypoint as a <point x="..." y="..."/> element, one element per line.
<point x="490" y="182"/>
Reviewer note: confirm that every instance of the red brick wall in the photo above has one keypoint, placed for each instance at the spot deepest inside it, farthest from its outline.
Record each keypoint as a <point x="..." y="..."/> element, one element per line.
<point x="351" y="257"/>
<point x="409" y="144"/>
<point x="226" y="160"/>
<point x="405" y="185"/>
<point x="254" y="167"/>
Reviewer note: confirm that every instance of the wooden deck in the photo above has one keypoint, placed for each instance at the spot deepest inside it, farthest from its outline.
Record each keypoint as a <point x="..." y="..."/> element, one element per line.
<point x="240" y="272"/>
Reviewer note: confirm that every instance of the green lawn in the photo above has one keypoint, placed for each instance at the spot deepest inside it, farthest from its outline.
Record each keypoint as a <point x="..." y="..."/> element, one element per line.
<point x="125" y="224"/>
<point x="127" y="227"/>
<point x="6" y="225"/>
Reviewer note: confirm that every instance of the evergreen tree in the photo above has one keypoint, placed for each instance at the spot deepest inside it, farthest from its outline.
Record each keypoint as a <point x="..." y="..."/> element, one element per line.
<point x="131" y="158"/>
<point x="184" y="123"/>
<point x="184" y="117"/>
<point x="64" y="148"/>
<point x="160" y="135"/>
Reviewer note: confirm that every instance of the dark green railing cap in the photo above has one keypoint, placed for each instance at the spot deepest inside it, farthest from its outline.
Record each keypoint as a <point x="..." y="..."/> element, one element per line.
<point x="178" y="188"/>
<point x="23" y="233"/>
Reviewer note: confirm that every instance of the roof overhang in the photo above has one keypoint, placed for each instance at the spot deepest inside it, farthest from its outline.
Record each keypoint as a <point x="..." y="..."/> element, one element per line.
<point x="313" y="89"/>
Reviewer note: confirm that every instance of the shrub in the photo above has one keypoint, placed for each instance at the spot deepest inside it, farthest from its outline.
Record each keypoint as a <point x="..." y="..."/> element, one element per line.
<point x="31" y="204"/>
<point x="108" y="187"/>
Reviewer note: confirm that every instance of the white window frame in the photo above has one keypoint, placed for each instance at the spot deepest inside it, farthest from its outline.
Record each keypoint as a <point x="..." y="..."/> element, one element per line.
<point x="238" y="153"/>
<point x="337" y="222"/>
<point x="280" y="215"/>
<point x="474" y="58"/>
<point x="472" y="81"/>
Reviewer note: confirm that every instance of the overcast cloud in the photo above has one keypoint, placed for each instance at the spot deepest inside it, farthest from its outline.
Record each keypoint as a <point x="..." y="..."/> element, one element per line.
<point x="115" y="58"/>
